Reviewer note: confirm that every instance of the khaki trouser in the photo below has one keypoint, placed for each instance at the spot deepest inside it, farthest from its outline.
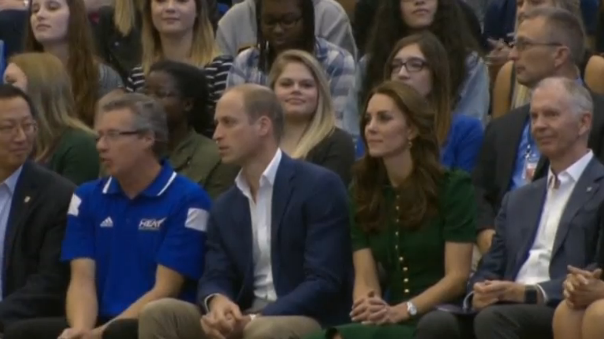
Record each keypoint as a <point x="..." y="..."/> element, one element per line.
<point x="175" y="319"/>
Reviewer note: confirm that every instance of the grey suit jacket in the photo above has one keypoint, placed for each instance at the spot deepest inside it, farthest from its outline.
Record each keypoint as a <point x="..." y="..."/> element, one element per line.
<point x="517" y="223"/>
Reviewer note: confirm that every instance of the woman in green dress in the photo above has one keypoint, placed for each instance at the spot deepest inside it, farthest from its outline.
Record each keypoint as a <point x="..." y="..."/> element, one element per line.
<point x="413" y="221"/>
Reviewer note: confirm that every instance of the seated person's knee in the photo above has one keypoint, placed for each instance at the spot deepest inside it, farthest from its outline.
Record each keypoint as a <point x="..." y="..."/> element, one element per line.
<point x="159" y="309"/>
<point x="486" y="318"/>
<point x="438" y="324"/>
<point x="595" y="312"/>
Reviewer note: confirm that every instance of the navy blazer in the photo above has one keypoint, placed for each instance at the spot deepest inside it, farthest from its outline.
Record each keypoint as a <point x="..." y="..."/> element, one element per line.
<point x="517" y="223"/>
<point x="310" y="246"/>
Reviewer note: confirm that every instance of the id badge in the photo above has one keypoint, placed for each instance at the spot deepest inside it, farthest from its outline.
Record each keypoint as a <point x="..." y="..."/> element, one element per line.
<point x="530" y="164"/>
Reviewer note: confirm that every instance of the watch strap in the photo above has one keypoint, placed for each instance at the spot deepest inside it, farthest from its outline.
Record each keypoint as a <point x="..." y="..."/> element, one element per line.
<point x="530" y="295"/>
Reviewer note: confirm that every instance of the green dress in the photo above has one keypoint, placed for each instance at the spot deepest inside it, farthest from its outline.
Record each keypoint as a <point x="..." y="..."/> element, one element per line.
<point x="414" y="260"/>
<point x="75" y="156"/>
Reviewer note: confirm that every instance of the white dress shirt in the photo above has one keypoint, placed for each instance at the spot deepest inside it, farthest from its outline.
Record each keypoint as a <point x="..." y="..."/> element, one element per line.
<point x="261" y="215"/>
<point x="536" y="268"/>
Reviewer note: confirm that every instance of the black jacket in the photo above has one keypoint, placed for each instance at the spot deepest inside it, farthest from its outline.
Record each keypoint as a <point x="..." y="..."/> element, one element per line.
<point x="34" y="279"/>
<point x="122" y="53"/>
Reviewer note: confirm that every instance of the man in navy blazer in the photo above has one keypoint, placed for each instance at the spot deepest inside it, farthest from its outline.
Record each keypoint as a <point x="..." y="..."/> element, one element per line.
<point x="278" y="263"/>
<point x="541" y="229"/>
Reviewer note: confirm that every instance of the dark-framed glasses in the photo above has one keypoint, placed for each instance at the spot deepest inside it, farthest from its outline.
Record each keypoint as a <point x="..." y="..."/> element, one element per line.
<point x="412" y="65"/>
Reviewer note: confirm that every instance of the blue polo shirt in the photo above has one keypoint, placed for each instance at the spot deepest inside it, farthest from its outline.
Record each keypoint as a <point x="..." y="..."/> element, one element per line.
<point x="128" y="238"/>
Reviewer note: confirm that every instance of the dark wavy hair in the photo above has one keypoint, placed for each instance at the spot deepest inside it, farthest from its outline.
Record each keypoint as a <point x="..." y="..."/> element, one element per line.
<point x="417" y="196"/>
<point x="449" y="25"/>
<point x="192" y="85"/>
<point x="82" y="65"/>
<point x="441" y="96"/>
<point x="307" y="43"/>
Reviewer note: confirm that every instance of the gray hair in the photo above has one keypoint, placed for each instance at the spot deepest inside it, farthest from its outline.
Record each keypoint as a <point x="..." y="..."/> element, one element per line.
<point x="148" y="116"/>
<point x="562" y="27"/>
<point x="579" y="98"/>
<point x="259" y="101"/>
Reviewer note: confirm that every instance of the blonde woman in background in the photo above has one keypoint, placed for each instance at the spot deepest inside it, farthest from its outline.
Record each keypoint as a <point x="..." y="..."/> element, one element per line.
<point x="310" y="132"/>
<point x="508" y="94"/>
<point x="64" y="143"/>
<point x="180" y="31"/>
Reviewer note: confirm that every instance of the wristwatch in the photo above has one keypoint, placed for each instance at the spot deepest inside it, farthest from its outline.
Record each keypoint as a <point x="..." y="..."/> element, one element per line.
<point x="411" y="309"/>
<point x="530" y="295"/>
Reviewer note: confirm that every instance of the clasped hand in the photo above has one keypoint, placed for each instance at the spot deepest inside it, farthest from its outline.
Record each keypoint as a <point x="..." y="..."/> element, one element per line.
<point x="225" y="320"/>
<point x="492" y="291"/>
<point x="581" y="287"/>
<point x="373" y="310"/>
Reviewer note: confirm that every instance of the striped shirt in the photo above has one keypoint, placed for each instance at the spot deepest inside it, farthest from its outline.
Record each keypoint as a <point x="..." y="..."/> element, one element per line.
<point x="337" y="63"/>
<point x="216" y="73"/>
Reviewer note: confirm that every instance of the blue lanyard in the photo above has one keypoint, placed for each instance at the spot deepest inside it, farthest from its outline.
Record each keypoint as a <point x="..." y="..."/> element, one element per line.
<point x="529" y="139"/>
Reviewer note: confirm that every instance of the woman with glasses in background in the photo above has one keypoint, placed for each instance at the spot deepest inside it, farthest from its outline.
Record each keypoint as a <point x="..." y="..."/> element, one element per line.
<point x="421" y="61"/>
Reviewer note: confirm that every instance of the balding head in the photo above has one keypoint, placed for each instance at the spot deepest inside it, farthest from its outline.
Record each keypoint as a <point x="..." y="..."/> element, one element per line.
<point x="561" y="117"/>
<point x="249" y="122"/>
<point x="259" y="101"/>
<point x="579" y="98"/>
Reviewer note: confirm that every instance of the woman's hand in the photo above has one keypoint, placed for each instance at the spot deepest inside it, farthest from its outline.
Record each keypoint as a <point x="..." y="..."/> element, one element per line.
<point x="389" y="315"/>
<point x="364" y="307"/>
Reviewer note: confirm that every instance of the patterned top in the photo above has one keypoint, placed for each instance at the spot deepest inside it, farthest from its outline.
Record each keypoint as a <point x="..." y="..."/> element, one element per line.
<point x="337" y="62"/>
<point x="216" y="74"/>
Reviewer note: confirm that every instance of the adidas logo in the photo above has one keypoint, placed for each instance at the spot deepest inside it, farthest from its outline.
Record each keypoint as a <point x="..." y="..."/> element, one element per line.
<point x="107" y="222"/>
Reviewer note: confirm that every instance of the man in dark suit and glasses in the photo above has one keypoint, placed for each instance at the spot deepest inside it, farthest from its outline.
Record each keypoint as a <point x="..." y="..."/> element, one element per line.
<point x="33" y="211"/>
<point x="550" y="42"/>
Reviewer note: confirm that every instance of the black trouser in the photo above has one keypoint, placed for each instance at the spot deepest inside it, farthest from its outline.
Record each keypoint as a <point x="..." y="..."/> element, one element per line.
<point x="51" y="328"/>
<point x="494" y="322"/>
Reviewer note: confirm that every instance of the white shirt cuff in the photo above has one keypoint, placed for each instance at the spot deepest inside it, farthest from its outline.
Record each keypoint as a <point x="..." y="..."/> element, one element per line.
<point x="466" y="301"/>
<point x="206" y="302"/>
<point x="545" y="298"/>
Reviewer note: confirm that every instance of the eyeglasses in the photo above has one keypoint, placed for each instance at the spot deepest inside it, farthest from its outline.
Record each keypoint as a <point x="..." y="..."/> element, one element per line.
<point x="412" y="65"/>
<point x="284" y="22"/>
<point x="114" y="135"/>
<point x="522" y="45"/>
<point x="10" y="130"/>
